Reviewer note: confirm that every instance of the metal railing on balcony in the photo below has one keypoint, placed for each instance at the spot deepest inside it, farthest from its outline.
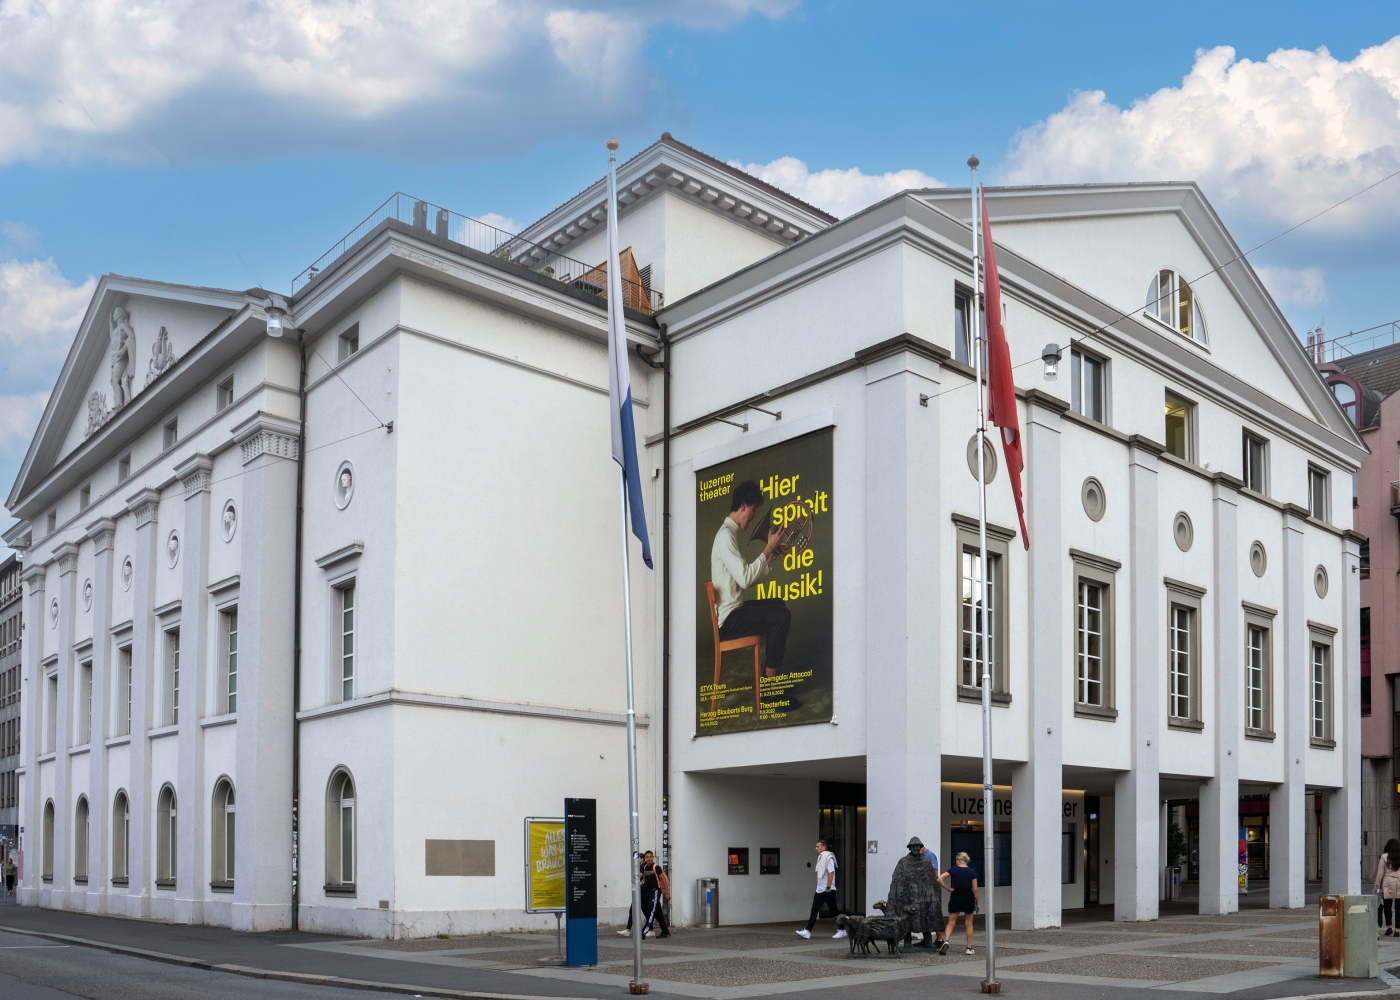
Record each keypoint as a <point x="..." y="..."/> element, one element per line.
<point x="481" y="236"/>
<point x="1321" y="349"/>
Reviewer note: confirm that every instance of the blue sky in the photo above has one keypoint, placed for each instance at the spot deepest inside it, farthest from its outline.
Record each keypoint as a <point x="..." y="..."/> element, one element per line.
<point x="230" y="145"/>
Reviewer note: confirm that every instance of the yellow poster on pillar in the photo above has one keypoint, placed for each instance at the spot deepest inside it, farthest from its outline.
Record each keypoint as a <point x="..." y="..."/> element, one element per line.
<point x="544" y="864"/>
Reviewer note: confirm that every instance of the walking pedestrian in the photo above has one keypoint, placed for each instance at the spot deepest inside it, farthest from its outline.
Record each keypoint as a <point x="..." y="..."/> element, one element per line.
<point x="9" y="875"/>
<point x="964" y="899"/>
<point x="826" y="890"/>
<point x="656" y="892"/>
<point x="1387" y="882"/>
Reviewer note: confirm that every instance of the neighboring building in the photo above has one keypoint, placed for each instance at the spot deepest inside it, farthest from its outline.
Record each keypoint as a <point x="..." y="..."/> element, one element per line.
<point x="1365" y="385"/>
<point x="11" y="637"/>
<point x="460" y="650"/>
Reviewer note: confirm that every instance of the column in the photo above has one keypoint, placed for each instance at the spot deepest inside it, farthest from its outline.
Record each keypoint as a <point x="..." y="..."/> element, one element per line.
<point x="145" y="644"/>
<point x="1341" y="815"/>
<point x="101" y="532"/>
<point x="263" y="861"/>
<point x="1287" y="801"/>
<point x="192" y="795"/>
<point x="1136" y="792"/>
<point x="903" y="710"/>
<point x="66" y="556"/>
<point x="1037" y="786"/>
<point x="32" y="728"/>
<point x="1219" y="797"/>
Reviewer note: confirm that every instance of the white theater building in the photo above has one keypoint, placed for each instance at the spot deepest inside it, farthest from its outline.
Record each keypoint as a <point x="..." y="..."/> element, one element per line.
<point x="432" y="650"/>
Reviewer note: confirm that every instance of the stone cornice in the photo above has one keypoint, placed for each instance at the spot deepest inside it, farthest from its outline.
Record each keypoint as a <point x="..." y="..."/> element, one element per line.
<point x="195" y="474"/>
<point x="66" y="555"/>
<point x="352" y="551"/>
<point x="267" y="434"/>
<point x="34" y="576"/>
<point x="102" y="531"/>
<point x="144" y="506"/>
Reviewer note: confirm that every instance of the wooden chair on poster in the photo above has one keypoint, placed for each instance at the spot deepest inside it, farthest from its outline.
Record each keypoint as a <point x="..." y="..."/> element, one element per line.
<point x="723" y="646"/>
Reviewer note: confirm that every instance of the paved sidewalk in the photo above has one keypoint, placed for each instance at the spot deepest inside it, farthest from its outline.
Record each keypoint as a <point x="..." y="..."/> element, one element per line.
<point x="1257" y="954"/>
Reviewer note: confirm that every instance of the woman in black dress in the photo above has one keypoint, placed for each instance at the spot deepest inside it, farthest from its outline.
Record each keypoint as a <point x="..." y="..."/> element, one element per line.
<point x="961" y="881"/>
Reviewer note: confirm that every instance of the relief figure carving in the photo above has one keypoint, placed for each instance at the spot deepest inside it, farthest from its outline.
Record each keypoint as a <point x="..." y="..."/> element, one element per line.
<point x="123" y="357"/>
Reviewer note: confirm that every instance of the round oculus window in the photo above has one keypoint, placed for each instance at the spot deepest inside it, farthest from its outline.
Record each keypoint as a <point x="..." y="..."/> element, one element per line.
<point x="1320" y="580"/>
<point x="1258" y="558"/>
<point x="989" y="458"/>
<point x="1182" y="532"/>
<point x="1092" y="496"/>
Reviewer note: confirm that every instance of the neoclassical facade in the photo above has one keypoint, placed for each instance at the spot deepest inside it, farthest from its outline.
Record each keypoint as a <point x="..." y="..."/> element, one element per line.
<point x="347" y="559"/>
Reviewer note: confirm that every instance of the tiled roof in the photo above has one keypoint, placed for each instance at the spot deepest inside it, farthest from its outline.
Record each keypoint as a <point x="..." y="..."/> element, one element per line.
<point x="1377" y="370"/>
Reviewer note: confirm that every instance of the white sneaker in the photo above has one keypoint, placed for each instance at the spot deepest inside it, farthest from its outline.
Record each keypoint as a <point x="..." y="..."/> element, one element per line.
<point x="804" y="933"/>
<point x="838" y="935"/>
<point x="624" y="933"/>
<point x="969" y="952"/>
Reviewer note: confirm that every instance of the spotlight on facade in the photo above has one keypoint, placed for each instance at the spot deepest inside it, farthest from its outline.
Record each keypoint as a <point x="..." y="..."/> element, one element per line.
<point x="1051" y="357"/>
<point x="276" y="308"/>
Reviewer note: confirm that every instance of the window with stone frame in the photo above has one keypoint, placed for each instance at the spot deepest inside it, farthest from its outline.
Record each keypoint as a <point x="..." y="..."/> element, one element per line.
<point x="1094" y="635"/>
<point x="1321" y="695"/>
<point x="971" y="617"/>
<point x="1258" y="672"/>
<point x="1184" y="655"/>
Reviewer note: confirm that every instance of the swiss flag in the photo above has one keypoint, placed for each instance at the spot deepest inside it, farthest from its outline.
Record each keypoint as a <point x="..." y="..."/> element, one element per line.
<point x="1001" y="390"/>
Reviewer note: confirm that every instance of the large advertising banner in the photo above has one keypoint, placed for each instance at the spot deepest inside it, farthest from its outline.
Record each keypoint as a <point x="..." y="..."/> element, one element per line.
<point x="544" y="864"/>
<point x="764" y="588"/>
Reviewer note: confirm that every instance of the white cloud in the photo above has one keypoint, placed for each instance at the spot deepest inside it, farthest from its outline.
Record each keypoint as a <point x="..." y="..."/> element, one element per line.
<point x="19" y="415"/>
<point x="504" y="222"/>
<point x="187" y="79"/>
<point x="840" y="192"/>
<point x="1300" y="287"/>
<point x="40" y="311"/>
<point x="1277" y="140"/>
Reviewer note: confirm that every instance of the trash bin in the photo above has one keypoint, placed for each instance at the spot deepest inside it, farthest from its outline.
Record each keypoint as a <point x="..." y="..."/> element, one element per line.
<point x="1346" y="929"/>
<point x="707" y="902"/>
<point x="1171" y="883"/>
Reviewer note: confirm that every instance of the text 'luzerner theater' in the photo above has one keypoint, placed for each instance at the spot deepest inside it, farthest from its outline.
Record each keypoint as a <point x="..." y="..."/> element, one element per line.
<point x="351" y="554"/>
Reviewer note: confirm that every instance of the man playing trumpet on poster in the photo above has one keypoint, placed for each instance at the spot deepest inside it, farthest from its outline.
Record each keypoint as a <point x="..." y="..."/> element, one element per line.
<point x="732" y="575"/>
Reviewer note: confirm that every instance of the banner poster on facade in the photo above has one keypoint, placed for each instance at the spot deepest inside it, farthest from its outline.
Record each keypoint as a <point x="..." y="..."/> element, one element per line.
<point x="757" y="615"/>
<point x="544" y="864"/>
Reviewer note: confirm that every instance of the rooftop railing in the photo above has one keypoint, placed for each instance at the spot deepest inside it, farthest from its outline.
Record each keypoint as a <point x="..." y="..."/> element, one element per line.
<point x="1355" y="342"/>
<point x="488" y="239"/>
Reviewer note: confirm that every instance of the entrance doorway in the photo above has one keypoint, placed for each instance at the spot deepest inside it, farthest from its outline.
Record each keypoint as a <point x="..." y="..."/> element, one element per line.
<point x="842" y="826"/>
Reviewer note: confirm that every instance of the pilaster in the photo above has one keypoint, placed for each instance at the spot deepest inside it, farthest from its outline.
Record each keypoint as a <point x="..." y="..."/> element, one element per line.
<point x="903" y="648"/>
<point x="62" y="889"/>
<point x="144" y="507"/>
<point x="1287" y="800"/>
<point x="263" y="783"/>
<point x="1137" y="791"/>
<point x="101" y="533"/>
<point x="1342" y="808"/>
<point x="1036" y="786"/>
<point x="1219" y="797"/>
<point x="192" y="876"/>
<point x="36" y="638"/>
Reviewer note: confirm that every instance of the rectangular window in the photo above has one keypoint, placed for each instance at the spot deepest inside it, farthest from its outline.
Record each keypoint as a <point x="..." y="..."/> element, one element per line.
<point x="1184" y="655"/>
<point x="53" y="521"/>
<point x="1321" y="693"/>
<point x="349" y="343"/>
<point x="347" y="641"/>
<point x="962" y="326"/>
<point x="1180" y="429"/>
<point x="170" y="434"/>
<point x="124" y="468"/>
<point x="124" y="685"/>
<point x="1258" y="673"/>
<point x="85" y="497"/>
<point x="1093" y="635"/>
<point x="172" y="654"/>
<point x="971" y="617"/>
<point x="1317" y="492"/>
<point x="84" y="703"/>
<point x="1086" y="391"/>
<point x="1255" y="468"/>
<point x="1089" y="645"/>
<point x="230" y="658"/>
<point x="225" y="394"/>
<point x="51" y="716"/>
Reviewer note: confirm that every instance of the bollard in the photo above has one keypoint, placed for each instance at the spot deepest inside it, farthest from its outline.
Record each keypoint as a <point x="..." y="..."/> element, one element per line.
<point x="1346" y="944"/>
<point x="1330" y="936"/>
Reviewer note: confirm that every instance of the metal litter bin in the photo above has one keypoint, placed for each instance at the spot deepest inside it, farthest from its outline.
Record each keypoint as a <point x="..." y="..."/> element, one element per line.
<point x="707" y="902"/>
<point x="1171" y="883"/>
<point x="1346" y="927"/>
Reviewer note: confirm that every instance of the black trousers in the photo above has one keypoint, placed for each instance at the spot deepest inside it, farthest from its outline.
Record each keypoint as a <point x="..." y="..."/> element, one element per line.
<point x="769" y="618"/>
<point x="654" y="906"/>
<point x="818" y="899"/>
<point x="1386" y="912"/>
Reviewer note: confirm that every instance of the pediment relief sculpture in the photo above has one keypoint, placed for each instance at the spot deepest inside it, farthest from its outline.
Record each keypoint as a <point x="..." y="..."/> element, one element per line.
<point x="122" y="357"/>
<point x="97" y="413"/>
<point x="162" y="356"/>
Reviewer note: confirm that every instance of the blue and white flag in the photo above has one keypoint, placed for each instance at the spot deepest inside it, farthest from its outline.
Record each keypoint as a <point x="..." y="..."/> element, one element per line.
<point x="624" y="432"/>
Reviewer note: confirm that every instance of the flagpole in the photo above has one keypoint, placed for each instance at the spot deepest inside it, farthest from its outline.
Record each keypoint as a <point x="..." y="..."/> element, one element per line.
<point x="637" y="985"/>
<point x="984" y="629"/>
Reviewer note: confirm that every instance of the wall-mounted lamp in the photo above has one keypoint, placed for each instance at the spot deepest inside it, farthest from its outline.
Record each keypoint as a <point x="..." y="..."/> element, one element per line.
<point x="1051" y="357"/>
<point x="276" y="308"/>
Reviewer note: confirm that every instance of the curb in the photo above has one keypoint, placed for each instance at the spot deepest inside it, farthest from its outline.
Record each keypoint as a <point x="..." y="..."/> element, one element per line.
<point x="303" y="978"/>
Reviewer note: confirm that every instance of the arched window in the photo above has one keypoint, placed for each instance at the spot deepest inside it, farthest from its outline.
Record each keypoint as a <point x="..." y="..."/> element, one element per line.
<point x="121" y="837"/>
<point x="165" y="838"/>
<point x="48" y="841"/>
<point x="1171" y="300"/>
<point x="222" y="827"/>
<point x="1347" y="398"/>
<point x="340" y="831"/>
<point x="80" y="841"/>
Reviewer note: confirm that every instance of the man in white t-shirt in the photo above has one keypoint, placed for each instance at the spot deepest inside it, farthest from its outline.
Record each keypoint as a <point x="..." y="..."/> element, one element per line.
<point x="826" y="890"/>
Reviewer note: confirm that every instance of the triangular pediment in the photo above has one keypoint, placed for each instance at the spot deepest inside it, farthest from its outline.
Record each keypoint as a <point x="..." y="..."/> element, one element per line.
<point x="132" y="336"/>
